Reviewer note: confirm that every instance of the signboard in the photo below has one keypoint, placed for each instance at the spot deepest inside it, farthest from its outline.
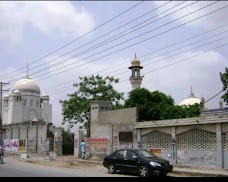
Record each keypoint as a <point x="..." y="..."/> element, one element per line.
<point x="97" y="144"/>
<point x="116" y="140"/>
<point x="7" y="144"/>
<point x="14" y="145"/>
<point x="22" y="145"/>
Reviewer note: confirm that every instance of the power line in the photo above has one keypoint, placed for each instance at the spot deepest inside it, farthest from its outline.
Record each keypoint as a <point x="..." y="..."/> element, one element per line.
<point x="134" y="43"/>
<point x="214" y="95"/>
<point x="178" y="49"/>
<point x="148" y="38"/>
<point x="186" y="59"/>
<point x="99" y="44"/>
<point x="172" y="51"/>
<point x="183" y="61"/>
<point x="81" y="36"/>
<point x="140" y="41"/>
<point x="86" y="51"/>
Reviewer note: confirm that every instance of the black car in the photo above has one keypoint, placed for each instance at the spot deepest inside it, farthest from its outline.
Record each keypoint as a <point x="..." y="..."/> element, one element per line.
<point x="140" y="161"/>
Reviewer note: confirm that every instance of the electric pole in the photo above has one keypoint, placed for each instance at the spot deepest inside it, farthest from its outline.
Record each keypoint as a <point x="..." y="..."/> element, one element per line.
<point x="1" y="131"/>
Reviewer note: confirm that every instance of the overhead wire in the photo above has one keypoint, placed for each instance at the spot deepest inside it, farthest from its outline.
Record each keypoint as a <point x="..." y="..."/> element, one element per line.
<point x="80" y="36"/>
<point x="136" y="42"/>
<point x="160" y="33"/>
<point x="96" y="46"/>
<point x="179" y="52"/>
<point x="168" y="53"/>
<point x="142" y="40"/>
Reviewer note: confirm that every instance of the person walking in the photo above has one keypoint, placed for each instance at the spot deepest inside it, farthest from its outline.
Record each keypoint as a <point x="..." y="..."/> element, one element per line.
<point x="83" y="149"/>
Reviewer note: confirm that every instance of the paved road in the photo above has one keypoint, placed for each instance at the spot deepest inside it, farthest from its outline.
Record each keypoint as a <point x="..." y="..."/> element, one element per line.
<point x="16" y="168"/>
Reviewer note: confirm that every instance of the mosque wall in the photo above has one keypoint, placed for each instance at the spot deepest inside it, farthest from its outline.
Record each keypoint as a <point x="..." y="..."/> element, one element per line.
<point x="26" y="139"/>
<point x="201" y="142"/>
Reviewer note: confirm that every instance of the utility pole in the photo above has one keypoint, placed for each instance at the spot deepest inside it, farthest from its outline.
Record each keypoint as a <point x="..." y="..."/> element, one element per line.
<point x="1" y="131"/>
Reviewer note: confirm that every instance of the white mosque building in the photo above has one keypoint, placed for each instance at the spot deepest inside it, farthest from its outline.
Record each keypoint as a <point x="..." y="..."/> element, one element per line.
<point x="27" y="120"/>
<point x="25" y="103"/>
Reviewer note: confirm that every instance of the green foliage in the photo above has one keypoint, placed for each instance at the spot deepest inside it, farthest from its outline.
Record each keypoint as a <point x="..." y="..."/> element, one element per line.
<point x="77" y="107"/>
<point x="158" y="106"/>
<point x="224" y="79"/>
<point x="68" y="142"/>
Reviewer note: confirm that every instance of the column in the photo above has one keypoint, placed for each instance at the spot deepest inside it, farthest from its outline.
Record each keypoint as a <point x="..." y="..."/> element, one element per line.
<point x="219" y="146"/>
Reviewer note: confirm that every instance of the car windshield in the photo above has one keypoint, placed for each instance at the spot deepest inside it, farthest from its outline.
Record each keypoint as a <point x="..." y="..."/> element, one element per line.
<point x="145" y="153"/>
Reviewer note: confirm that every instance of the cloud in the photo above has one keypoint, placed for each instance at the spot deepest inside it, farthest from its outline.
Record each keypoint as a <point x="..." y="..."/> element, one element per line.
<point x="218" y="17"/>
<point x="54" y="17"/>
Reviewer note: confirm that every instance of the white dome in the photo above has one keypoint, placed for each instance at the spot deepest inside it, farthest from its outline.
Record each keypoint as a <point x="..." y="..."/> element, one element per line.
<point x="6" y="96"/>
<point x="135" y="63"/>
<point x="45" y="96"/>
<point x="16" y="92"/>
<point x="190" y="101"/>
<point x="26" y="85"/>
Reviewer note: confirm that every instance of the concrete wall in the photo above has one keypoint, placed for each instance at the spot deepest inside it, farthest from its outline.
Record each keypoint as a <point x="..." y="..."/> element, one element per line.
<point x="107" y="123"/>
<point x="46" y="114"/>
<point x="78" y="137"/>
<point x="35" y="135"/>
<point x="117" y="117"/>
<point x="17" y="114"/>
<point x="211" y="129"/>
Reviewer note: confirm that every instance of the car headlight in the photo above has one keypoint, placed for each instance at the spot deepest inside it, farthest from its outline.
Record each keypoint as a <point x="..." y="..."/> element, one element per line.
<point x="155" y="164"/>
<point x="170" y="163"/>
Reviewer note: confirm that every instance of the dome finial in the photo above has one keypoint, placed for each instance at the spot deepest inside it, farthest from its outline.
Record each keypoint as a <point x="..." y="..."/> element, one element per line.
<point x="192" y="94"/>
<point x="27" y="68"/>
<point x="135" y="56"/>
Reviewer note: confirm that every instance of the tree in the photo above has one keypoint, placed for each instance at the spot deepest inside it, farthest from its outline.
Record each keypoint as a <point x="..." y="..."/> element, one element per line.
<point x="158" y="106"/>
<point x="77" y="108"/>
<point x="224" y="79"/>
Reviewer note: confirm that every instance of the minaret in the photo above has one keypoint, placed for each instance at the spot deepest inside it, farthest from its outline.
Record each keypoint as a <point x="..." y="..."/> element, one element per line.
<point x="220" y="104"/>
<point x="135" y="78"/>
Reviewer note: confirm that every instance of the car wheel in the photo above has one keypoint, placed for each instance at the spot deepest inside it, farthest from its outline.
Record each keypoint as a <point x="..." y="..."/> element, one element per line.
<point x="111" y="169"/>
<point x="143" y="171"/>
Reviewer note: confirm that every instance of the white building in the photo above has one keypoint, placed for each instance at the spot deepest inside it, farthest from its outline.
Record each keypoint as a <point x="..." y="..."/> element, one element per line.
<point x="25" y="103"/>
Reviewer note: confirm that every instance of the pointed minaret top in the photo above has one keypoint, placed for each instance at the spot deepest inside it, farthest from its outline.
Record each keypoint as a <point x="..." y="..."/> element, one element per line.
<point x="192" y="94"/>
<point x="135" y="56"/>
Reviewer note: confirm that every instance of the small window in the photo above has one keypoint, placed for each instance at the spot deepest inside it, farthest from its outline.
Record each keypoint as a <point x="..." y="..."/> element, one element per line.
<point x="31" y="103"/>
<point x="37" y="103"/>
<point x="25" y="102"/>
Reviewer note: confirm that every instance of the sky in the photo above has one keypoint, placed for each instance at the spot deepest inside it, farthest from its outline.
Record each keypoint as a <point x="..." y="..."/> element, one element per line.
<point x="180" y="44"/>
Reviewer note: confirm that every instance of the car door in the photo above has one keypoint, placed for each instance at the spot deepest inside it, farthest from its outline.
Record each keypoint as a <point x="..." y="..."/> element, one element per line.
<point x="130" y="161"/>
<point x="118" y="160"/>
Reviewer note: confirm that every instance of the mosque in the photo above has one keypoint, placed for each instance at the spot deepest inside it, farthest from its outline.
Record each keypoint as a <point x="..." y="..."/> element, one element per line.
<point x="27" y="119"/>
<point x="26" y="103"/>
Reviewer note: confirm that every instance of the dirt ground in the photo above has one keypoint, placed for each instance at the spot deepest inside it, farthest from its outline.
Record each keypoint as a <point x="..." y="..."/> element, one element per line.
<point x="74" y="164"/>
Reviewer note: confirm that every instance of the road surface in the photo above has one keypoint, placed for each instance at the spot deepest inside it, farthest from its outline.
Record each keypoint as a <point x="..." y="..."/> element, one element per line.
<point x="17" y="168"/>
